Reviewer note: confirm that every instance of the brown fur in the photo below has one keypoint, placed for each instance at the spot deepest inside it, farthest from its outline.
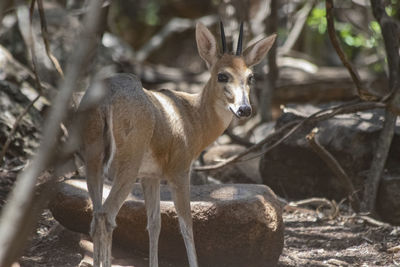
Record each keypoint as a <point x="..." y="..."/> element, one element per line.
<point x="157" y="135"/>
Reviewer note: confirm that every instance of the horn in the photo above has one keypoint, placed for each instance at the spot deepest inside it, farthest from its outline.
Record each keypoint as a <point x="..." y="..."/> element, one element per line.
<point x="222" y="37"/>
<point x="240" y="40"/>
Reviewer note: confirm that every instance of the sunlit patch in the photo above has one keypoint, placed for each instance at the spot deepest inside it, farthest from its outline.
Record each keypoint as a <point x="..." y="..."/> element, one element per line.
<point x="106" y="167"/>
<point x="172" y="113"/>
<point x="80" y="184"/>
<point x="230" y="193"/>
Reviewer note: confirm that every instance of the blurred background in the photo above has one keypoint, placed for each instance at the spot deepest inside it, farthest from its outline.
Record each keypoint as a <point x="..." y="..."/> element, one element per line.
<point x="155" y="39"/>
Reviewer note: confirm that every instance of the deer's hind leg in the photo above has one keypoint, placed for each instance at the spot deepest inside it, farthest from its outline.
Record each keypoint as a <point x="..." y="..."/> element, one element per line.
<point x="126" y="150"/>
<point x="94" y="152"/>
<point x="130" y="146"/>
<point x="180" y="188"/>
<point x="151" y="191"/>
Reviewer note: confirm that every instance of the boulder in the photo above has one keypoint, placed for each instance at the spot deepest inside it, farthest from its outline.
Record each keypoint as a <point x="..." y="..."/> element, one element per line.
<point x="294" y="171"/>
<point x="234" y="225"/>
<point x="241" y="172"/>
<point x="388" y="202"/>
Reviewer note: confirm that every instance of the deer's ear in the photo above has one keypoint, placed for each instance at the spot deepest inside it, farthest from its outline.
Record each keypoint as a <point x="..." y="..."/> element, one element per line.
<point x="256" y="52"/>
<point x="206" y="44"/>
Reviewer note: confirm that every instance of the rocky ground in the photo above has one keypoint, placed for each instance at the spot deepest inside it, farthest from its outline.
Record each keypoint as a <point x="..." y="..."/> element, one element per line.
<point x="311" y="239"/>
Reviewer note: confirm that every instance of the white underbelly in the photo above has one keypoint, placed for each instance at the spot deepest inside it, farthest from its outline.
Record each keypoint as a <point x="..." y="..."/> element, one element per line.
<point x="149" y="167"/>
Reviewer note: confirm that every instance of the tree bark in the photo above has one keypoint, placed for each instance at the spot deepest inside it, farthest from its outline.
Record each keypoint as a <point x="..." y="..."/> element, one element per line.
<point x="390" y="33"/>
<point x="268" y="87"/>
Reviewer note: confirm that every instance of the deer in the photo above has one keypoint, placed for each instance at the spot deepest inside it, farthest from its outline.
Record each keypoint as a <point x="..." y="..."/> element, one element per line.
<point x="152" y="135"/>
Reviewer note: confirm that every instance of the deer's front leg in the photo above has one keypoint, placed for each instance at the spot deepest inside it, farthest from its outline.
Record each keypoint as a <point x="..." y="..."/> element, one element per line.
<point x="180" y="188"/>
<point x="151" y="191"/>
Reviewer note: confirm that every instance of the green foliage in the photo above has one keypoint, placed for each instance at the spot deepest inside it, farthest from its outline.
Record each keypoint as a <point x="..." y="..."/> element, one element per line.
<point x="317" y="19"/>
<point x="392" y="8"/>
<point x="151" y="13"/>
<point x="349" y="34"/>
<point x="354" y="40"/>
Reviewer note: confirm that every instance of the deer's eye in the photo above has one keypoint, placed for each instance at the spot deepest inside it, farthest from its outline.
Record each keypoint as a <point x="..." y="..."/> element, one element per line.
<point x="222" y="78"/>
<point x="251" y="79"/>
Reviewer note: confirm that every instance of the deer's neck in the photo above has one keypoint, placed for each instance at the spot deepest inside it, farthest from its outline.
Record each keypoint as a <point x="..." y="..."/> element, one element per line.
<point x="215" y="116"/>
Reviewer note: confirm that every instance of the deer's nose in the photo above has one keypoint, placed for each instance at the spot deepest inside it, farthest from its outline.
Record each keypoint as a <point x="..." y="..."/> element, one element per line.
<point x="244" y="111"/>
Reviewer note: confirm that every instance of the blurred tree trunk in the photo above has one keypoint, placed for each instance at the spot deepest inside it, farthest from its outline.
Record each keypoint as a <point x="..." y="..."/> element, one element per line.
<point x="390" y="33"/>
<point x="268" y="85"/>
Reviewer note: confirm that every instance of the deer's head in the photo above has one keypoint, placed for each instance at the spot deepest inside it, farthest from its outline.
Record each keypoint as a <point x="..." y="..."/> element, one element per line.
<point x="231" y="75"/>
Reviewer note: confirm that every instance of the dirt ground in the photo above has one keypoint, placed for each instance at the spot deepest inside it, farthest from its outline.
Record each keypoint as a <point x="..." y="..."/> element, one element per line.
<point x="311" y="239"/>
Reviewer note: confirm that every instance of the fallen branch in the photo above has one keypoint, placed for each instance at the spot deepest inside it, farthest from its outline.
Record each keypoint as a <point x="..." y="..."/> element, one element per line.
<point x="19" y="204"/>
<point x="315" y="201"/>
<point x="394" y="249"/>
<point x="292" y="127"/>
<point x="337" y="169"/>
<point x="373" y="221"/>
<point x="319" y="203"/>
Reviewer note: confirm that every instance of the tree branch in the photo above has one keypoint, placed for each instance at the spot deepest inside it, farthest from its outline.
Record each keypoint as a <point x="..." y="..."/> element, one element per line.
<point x="45" y="35"/>
<point x="290" y="128"/>
<point x="174" y="25"/>
<point x="14" y="128"/>
<point x="390" y="34"/>
<point x="337" y="169"/>
<point x="28" y="37"/>
<point x="268" y="86"/>
<point x="13" y="214"/>
<point x="361" y="91"/>
<point x="297" y="27"/>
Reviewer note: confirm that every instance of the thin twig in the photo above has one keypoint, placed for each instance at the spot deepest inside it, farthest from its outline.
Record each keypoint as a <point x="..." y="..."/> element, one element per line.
<point x="334" y="165"/>
<point x="20" y="200"/>
<point x="251" y="149"/>
<point x="298" y="25"/>
<point x="315" y="201"/>
<point x="237" y="139"/>
<point x="361" y="91"/>
<point x="294" y="126"/>
<point x="174" y="25"/>
<point x="30" y="44"/>
<point x="14" y="128"/>
<point x="45" y="34"/>
<point x="319" y="203"/>
<point x="394" y="249"/>
<point x="373" y="221"/>
<point x="324" y="115"/>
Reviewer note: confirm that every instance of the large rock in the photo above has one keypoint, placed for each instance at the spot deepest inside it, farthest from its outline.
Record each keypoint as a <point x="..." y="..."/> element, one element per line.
<point x="240" y="172"/>
<point x="388" y="203"/>
<point x="234" y="225"/>
<point x="293" y="170"/>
